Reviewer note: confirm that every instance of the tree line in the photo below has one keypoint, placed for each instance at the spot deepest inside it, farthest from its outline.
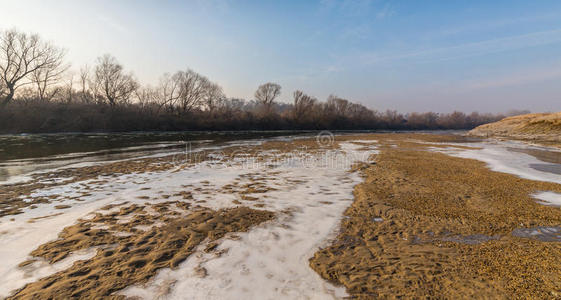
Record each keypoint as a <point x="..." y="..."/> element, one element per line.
<point x="38" y="93"/>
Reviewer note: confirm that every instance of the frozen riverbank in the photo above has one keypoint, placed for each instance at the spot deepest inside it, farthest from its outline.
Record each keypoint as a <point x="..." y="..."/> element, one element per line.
<point x="307" y="189"/>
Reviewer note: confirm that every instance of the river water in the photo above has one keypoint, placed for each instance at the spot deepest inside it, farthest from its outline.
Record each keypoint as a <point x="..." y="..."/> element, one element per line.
<point x="21" y="155"/>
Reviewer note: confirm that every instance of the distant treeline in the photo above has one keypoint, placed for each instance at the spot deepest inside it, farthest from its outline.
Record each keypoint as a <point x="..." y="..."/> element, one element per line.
<point x="34" y="116"/>
<point x="39" y="94"/>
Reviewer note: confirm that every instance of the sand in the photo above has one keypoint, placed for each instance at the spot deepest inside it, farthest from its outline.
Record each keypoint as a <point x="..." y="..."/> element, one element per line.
<point x="446" y="231"/>
<point x="365" y="216"/>
<point x="305" y="186"/>
<point x="133" y="257"/>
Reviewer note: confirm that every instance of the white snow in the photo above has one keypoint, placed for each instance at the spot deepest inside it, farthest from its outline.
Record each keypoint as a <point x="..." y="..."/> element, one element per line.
<point x="500" y="159"/>
<point x="271" y="261"/>
<point x="42" y="268"/>
<point x="309" y="193"/>
<point x="548" y="198"/>
<point x="19" y="237"/>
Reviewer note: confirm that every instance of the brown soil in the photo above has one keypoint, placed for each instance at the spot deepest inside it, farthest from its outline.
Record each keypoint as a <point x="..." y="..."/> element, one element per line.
<point x="127" y="255"/>
<point x="445" y="230"/>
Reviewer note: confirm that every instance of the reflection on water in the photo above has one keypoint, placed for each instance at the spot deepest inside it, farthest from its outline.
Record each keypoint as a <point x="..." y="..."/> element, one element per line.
<point x="23" y="154"/>
<point x="42" y="145"/>
<point x="542" y="233"/>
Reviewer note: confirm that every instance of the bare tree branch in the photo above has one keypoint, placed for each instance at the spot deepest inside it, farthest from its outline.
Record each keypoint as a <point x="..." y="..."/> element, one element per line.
<point x="303" y="104"/>
<point x="213" y="96"/>
<point x="192" y="89"/>
<point x="116" y="86"/>
<point x="266" y="94"/>
<point x="167" y="92"/>
<point x="48" y="77"/>
<point x="22" y="56"/>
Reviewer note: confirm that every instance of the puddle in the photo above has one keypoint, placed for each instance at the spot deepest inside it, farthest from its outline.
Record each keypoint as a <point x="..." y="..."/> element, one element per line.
<point x="541" y="233"/>
<point x="472" y="239"/>
<point x="549" y="168"/>
<point x="549" y="155"/>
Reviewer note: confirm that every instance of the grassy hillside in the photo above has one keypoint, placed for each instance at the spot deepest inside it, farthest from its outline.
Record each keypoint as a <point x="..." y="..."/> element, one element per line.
<point x="540" y="126"/>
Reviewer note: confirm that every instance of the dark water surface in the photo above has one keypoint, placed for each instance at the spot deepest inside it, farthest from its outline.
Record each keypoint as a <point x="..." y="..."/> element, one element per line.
<point x="26" y="153"/>
<point x="545" y="155"/>
<point x="22" y="154"/>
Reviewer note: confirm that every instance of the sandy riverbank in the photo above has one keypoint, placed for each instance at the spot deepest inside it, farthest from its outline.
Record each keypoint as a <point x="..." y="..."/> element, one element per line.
<point x="424" y="223"/>
<point x="374" y="215"/>
<point x="206" y="225"/>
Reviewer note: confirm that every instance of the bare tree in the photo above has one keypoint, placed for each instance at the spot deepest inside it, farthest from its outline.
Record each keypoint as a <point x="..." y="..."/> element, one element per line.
<point x="303" y="104"/>
<point x="212" y="96"/>
<point x="84" y="83"/>
<point x="187" y="90"/>
<point x="392" y="118"/>
<point x="266" y="94"/>
<point x="167" y="92"/>
<point x="3" y="89"/>
<point x="84" y="77"/>
<point x="20" y="56"/>
<point x="147" y="98"/>
<point x="192" y="88"/>
<point x="70" y="87"/>
<point x="94" y="91"/>
<point x="47" y="78"/>
<point x="358" y="111"/>
<point x="338" y="106"/>
<point x="231" y="106"/>
<point x="116" y="86"/>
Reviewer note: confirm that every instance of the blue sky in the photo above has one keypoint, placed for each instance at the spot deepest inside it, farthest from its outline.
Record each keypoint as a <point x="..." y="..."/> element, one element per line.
<point x="405" y="55"/>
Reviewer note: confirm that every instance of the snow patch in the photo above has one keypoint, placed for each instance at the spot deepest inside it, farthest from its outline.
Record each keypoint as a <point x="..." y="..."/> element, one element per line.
<point x="548" y="198"/>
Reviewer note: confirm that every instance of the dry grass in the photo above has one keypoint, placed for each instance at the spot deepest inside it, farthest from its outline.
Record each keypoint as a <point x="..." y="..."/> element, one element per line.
<point x="544" y="127"/>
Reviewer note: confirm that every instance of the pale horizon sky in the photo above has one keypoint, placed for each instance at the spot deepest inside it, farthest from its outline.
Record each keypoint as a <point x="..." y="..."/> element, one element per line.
<point x="486" y="56"/>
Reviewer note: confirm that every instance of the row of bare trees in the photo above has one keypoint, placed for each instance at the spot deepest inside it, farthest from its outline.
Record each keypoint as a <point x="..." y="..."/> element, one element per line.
<point x="183" y="92"/>
<point x="33" y="72"/>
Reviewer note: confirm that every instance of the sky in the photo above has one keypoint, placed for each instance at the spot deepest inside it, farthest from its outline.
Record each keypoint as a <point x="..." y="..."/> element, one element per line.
<point x="486" y="56"/>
